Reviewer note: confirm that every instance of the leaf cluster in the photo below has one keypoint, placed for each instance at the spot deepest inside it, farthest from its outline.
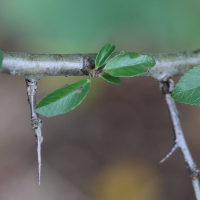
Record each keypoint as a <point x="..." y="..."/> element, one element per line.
<point x="68" y="97"/>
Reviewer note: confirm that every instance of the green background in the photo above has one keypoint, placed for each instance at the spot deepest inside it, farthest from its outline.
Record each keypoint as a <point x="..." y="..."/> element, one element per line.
<point x="48" y="26"/>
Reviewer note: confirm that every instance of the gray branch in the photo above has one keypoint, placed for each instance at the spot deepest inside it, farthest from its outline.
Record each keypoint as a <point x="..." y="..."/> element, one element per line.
<point x="39" y="65"/>
<point x="31" y="85"/>
<point x="180" y="142"/>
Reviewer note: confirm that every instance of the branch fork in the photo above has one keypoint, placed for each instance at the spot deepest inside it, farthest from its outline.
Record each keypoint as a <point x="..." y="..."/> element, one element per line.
<point x="36" y="122"/>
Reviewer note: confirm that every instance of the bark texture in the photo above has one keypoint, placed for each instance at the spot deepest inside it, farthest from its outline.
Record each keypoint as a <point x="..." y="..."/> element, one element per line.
<point x="39" y="65"/>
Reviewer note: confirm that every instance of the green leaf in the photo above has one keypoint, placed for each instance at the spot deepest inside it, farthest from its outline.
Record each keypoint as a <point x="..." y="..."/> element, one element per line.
<point x="187" y="90"/>
<point x="63" y="99"/>
<point x="104" y="54"/>
<point x="129" y="64"/>
<point x="109" y="78"/>
<point x="1" y="58"/>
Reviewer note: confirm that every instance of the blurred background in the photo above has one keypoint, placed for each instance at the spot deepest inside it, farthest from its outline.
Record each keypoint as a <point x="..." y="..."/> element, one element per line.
<point x="110" y="146"/>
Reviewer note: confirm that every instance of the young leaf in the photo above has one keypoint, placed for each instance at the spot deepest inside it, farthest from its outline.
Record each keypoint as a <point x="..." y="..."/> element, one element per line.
<point x="112" y="79"/>
<point x="187" y="90"/>
<point x="1" y="58"/>
<point x="63" y="99"/>
<point x="104" y="54"/>
<point x="129" y="64"/>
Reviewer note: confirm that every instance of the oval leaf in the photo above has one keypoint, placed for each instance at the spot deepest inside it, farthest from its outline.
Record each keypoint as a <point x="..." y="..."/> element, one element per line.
<point x="129" y="64"/>
<point x="1" y="58"/>
<point x="104" y="54"/>
<point x="187" y="90"/>
<point x="111" y="79"/>
<point x="63" y="99"/>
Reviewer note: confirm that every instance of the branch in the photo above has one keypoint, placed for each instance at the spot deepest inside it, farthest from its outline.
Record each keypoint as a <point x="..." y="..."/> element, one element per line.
<point x="194" y="172"/>
<point x="39" y="65"/>
<point x="35" y="66"/>
<point x="31" y="85"/>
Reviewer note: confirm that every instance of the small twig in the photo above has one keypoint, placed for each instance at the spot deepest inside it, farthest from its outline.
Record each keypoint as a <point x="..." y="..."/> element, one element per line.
<point x="31" y="85"/>
<point x="170" y="153"/>
<point x="194" y="172"/>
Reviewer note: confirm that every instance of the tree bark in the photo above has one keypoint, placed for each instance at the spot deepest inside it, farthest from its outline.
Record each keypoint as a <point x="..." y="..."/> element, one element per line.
<point x="39" y="65"/>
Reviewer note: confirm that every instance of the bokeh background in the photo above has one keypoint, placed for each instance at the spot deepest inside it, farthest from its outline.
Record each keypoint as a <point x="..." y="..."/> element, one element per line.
<point x="110" y="146"/>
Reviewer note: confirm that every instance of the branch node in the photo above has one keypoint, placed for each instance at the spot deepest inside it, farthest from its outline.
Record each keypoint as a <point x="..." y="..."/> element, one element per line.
<point x="167" y="86"/>
<point x="36" y="123"/>
<point x="194" y="172"/>
<point x="88" y="65"/>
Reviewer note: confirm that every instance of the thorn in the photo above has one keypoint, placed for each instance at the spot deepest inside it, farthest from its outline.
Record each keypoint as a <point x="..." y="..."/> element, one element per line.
<point x="31" y="85"/>
<point x="170" y="153"/>
<point x="39" y="163"/>
<point x="39" y="178"/>
<point x="39" y="142"/>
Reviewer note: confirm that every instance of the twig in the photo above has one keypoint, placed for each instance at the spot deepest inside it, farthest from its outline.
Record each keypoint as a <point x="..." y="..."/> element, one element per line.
<point x="194" y="172"/>
<point x="170" y="153"/>
<point x="39" y="65"/>
<point x="31" y="85"/>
